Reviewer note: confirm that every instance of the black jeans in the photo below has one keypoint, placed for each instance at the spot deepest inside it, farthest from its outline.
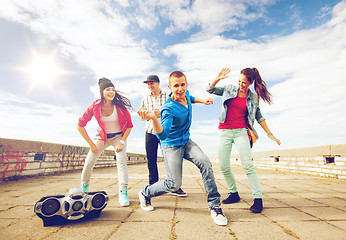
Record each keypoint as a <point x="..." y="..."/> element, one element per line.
<point x="151" y="145"/>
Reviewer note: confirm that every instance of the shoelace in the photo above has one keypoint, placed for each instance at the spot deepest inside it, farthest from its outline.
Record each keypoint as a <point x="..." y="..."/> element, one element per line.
<point x="217" y="210"/>
<point x="147" y="201"/>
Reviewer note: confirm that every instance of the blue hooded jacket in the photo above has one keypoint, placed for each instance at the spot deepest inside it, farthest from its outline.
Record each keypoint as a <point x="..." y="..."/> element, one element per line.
<point x="176" y="122"/>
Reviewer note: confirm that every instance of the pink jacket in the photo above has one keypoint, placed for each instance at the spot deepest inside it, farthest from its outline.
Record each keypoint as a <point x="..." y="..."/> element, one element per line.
<point x="95" y="110"/>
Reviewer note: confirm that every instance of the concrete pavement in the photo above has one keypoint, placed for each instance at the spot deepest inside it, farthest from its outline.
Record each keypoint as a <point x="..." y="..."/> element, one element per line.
<point x="295" y="207"/>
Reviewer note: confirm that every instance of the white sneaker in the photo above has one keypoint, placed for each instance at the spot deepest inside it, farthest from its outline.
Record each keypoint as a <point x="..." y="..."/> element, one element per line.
<point x="217" y="215"/>
<point x="145" y="202"/>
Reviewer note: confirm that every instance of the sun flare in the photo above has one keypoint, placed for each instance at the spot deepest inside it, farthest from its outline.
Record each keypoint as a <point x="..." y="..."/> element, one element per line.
<point x="43" y="70"/>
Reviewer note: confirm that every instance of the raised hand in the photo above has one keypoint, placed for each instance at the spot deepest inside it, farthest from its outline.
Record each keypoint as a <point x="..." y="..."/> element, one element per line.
<point x="223" y="74"/>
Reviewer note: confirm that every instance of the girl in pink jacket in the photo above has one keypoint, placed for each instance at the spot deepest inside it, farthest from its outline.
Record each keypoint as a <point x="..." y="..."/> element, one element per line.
<point x="115" y="125"/>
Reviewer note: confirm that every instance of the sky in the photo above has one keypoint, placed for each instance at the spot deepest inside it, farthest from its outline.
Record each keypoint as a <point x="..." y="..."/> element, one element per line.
<point x="53" y="53"/>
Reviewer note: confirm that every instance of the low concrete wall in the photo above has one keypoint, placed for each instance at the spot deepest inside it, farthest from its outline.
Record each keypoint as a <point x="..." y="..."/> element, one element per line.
<point x="326" y="161"/>
<point x="20" y="158"/>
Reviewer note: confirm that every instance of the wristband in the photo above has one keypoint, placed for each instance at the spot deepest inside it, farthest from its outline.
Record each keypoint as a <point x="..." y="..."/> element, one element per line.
<point x="122" y="142"/>
<point x="269" y="134"/>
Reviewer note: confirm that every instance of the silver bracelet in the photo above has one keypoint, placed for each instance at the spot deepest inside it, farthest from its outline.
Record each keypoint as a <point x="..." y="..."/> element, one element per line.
<point x="122" y="142"/>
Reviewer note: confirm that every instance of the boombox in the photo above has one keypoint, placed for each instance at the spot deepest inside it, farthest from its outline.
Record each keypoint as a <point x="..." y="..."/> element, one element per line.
<point x="74" y="205"/>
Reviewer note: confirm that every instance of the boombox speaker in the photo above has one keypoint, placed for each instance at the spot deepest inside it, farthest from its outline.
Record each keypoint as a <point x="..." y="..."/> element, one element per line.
<point x="74" y="205"/>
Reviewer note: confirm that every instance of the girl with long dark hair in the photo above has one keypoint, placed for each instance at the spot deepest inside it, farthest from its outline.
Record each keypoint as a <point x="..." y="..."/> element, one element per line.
<point x="115" y="125"/>
<point x="240" y="108"/>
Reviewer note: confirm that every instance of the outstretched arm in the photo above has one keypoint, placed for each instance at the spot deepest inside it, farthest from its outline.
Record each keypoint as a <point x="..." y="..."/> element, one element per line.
<point x="206" y="101"/>
<point x="270" y="135"/>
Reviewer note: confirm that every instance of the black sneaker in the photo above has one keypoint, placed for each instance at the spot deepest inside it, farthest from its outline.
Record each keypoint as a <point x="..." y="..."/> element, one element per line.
<point x="179" y="193"/>
<point x="257" y="206"/>
<point x="232" y="198"/>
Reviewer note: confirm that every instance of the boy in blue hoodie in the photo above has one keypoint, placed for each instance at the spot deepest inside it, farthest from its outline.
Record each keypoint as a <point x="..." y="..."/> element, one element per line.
<point x="174" y="135"/>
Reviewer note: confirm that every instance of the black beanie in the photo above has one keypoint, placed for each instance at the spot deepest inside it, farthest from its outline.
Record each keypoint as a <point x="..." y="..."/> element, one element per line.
<point x="104" y="83"/>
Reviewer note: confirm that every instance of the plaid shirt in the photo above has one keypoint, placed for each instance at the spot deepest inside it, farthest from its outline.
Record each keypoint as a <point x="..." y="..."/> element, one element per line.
<point x="149" y="102"/>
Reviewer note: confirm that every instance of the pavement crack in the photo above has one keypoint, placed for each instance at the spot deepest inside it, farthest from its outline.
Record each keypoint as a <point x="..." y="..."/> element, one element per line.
<point x="230" y="231"/>
<point x="174" y="221"/>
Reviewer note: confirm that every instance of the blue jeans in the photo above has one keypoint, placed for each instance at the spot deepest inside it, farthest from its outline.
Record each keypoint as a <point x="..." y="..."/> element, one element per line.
<point x="241" y="141"/>
<point x="173" y="157"/>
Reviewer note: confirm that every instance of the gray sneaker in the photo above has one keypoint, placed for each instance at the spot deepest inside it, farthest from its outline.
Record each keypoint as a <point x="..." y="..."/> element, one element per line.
<point x="217" y="215"/>
<point x="145" y="202"/>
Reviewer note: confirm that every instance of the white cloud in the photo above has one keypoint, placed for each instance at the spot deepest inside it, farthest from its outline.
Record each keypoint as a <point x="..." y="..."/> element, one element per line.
<point x="28" y="120"/>
<point x="339" y="12"/>
<point x="100" y="35"/>
<point x="123" y="3"/>
<point x="307" y="68"/>
<point x="295" y="17"/>
<point x="210" y="17"/>
<point x="93" y="33"/>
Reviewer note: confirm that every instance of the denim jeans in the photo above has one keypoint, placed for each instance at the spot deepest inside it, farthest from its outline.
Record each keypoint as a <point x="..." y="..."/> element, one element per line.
<point x="173" y="157"/>
<point x="241" y="141"/>
<point x="151" y="145"/>
<point x="121" y="159"/>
